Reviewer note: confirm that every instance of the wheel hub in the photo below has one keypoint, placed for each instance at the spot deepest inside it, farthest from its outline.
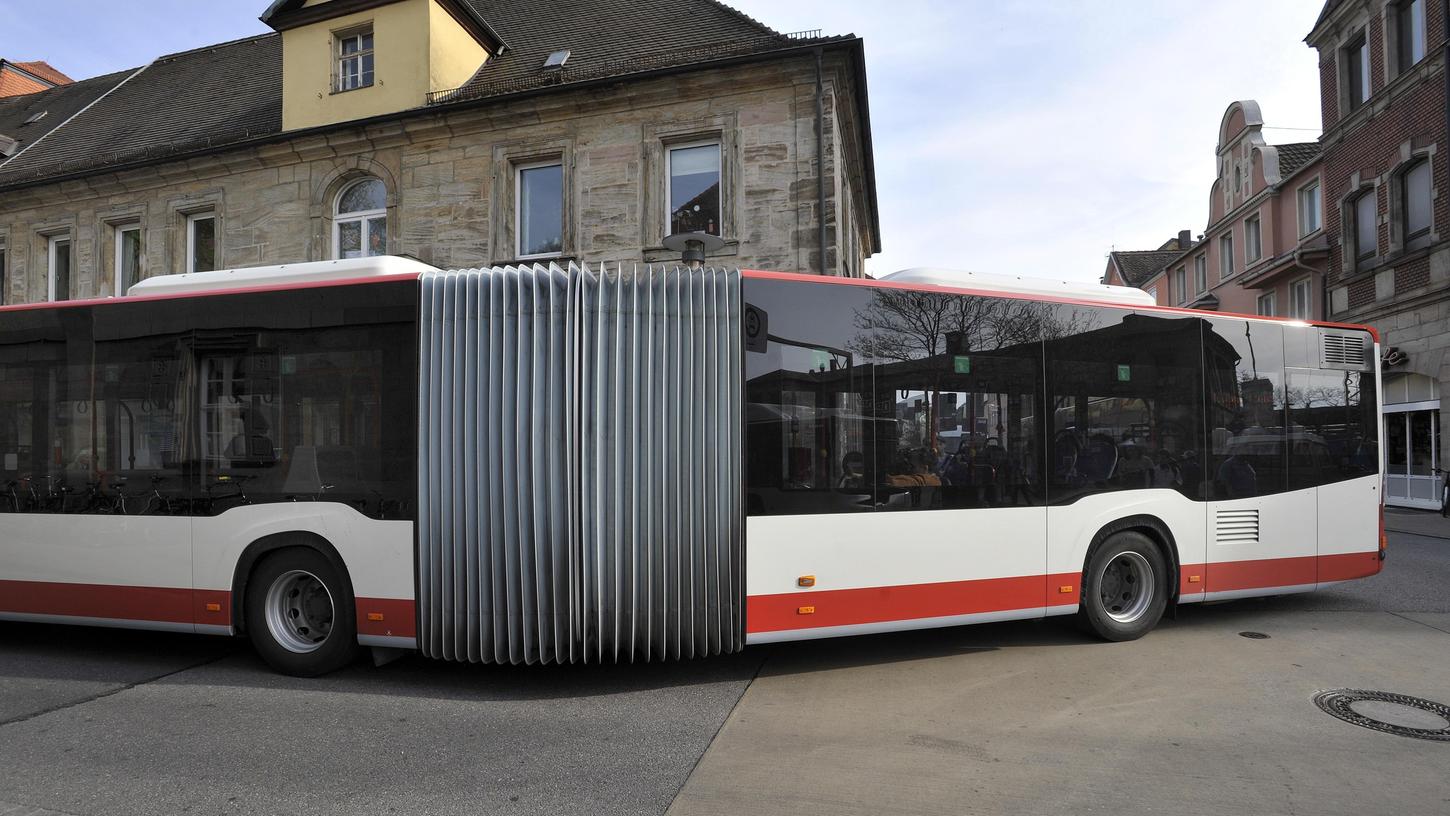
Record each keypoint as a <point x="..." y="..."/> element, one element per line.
<point x="1126" y="587"/>
<point x="299" y="611"/>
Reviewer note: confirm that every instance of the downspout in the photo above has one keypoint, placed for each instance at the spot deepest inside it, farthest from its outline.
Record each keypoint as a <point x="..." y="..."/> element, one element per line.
<point x="1445" y="62"/>
<point x="1323" y="282"/>
<point x="821" y="161"/>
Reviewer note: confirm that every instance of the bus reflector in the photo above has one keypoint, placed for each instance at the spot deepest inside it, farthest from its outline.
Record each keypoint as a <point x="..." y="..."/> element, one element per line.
<point x="805" y="610"/>
<point x="1064" y="589"/>
<point x="806" y="581"/>
<point x="213" y="607"/>
<point x="1193" y="579"/>
<point x="375" y="616"/>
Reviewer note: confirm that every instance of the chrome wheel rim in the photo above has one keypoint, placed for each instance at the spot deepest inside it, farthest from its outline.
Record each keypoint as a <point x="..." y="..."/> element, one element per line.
<point x="1126" y="587"/>
<point x="299" y="611"/>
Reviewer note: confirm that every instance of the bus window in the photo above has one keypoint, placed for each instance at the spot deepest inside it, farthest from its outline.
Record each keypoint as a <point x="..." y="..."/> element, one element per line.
<point x="1244" y="369"/>
<point x="1125" y="396"/>
<point x="956" y="395"/>
<point x="1333" y="426"/>
<point x="807" y="426"/>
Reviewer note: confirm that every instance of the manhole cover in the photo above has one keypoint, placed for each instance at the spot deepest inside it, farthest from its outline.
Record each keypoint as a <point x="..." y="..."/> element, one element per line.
<point x="1390" y="713"/>
<point x="1254" y="635"/>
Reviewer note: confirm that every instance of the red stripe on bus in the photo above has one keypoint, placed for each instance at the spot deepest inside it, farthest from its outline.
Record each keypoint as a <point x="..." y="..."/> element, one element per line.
<point x="1348" y="566"/>
<point x="162" y="604"/>
<point x="846" y="607"/>
<point x="398" y="617"/>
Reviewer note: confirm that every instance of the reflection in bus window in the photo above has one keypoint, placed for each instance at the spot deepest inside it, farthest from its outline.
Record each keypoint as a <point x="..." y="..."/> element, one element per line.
<point x="1244" y="368"/>
<point x="1125" y="403"/>
<point x="808" y="434"/>
<point x="956" y="386"/>
<point x="1333" y="424"/>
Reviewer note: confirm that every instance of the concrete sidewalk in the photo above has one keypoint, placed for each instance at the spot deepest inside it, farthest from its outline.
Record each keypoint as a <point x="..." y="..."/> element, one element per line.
<point x="1427" y="523"/>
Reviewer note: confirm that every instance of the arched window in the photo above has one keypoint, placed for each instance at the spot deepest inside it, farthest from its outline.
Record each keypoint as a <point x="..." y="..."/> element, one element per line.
<point x="360" y="225"/>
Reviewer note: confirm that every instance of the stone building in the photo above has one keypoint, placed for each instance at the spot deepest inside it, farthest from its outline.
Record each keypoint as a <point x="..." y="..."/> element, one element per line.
<point x="459" y="132"/>
<point x="1387" y="213"/>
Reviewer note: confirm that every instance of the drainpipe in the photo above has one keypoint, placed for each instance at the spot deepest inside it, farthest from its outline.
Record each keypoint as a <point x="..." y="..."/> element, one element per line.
<point x="821" y="162"/>
<point x="1445" y="63"/>
<point x="1323" y="282"/>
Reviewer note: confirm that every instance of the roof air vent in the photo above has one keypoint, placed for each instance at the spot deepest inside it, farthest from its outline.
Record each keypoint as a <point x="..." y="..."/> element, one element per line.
<point x="1343" y="351"/>
<point x="556" y="60"/>
<point x="35" y="117"/>
<point x="8" y="146"/>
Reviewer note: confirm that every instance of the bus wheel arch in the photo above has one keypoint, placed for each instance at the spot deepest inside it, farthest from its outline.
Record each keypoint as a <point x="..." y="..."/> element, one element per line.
<point x="1124" y="551"/>
<point x="266" y="545"/>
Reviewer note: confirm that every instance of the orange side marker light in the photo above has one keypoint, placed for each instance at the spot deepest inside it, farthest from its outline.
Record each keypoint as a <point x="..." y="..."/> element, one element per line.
<point x="1064" y="589"/>
<point x="375" y="616"/>
<point x="213" y="607"/>
<point x="1193" y="579"/>
<point x="805" y="610"/>
<point x="806" y="581"/>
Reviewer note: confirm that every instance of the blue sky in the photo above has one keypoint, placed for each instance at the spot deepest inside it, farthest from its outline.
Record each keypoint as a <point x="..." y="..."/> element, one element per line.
<point x="1026" y="138"/>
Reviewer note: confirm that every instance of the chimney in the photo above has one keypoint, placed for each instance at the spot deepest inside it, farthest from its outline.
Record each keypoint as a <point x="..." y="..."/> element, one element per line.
<point x="1185" y="240"/>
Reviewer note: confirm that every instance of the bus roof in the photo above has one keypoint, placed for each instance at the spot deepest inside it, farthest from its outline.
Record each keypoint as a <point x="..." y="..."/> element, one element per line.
<point x="280" y="275"/>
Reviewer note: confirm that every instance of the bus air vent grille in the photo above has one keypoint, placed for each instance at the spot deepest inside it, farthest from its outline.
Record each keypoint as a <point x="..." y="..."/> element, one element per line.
<point x="1344" y="351"/>
<point x="580" y="485"/>
<point x="1238" y="527"/>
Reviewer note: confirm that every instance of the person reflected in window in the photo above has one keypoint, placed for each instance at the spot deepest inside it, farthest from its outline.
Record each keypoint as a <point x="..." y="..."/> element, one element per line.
<point x="1135" y="467"/>
<point x="853" y="471"/>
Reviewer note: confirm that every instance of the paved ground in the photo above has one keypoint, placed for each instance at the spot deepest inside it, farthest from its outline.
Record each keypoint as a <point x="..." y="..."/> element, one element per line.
<point x="1009" y="718"/>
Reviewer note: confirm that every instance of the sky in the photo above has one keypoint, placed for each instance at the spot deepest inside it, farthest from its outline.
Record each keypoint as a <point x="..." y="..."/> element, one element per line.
<point x="1022" y="138"/>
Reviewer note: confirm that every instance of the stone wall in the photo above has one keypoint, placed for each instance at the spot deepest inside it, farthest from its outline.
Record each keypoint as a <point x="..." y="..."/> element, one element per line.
<point x="450" y="180"/>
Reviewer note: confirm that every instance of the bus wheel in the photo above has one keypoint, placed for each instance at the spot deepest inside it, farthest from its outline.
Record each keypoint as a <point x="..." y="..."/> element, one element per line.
<point x="300" y="613"/>
<point x="1125" y="588"/>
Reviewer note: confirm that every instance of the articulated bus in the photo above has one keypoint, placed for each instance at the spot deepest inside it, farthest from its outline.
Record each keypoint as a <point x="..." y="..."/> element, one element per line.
<point x="555" y="465"/>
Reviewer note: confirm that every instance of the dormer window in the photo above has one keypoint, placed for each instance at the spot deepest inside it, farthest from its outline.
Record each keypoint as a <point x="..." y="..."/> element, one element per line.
<point x="354" y="58"/>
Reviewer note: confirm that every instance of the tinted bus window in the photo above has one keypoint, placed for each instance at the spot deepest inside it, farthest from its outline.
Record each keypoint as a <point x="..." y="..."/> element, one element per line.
<point x="1125" y="394"/>
<point x="1333" y="426"/>
<point x="807" y="430"/>
<point x="956" y="402"/>
<point x="1244" y="370"/>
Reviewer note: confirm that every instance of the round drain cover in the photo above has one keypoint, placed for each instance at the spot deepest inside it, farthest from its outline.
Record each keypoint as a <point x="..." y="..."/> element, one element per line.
<point x="1390" y="713"/>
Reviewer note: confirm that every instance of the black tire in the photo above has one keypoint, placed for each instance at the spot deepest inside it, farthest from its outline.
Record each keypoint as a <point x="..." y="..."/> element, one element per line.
<point x="1124" y="567"/>
<point x="312" y="626"/>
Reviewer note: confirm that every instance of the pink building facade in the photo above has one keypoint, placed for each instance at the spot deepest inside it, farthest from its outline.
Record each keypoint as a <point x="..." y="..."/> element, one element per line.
<point x="1263" y="250"/>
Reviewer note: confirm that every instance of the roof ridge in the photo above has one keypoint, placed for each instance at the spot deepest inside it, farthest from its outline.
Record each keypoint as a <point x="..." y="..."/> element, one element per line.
<point x="214" y="46"/>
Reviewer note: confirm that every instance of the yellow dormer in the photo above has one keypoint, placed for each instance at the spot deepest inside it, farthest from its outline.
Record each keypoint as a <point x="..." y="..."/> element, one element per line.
<point x="351" y="59"/>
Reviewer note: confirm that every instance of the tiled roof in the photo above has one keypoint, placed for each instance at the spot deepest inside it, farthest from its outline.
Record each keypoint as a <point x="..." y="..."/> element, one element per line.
<point x="1138" y="266"/>
<point x="14" y="83"/>
<point x="232" y="92"/>
<point x="57" y="104"/>
<point x="196" y="99"/>
<point x="1294" y="156"/>
<point x="43" y="69"/>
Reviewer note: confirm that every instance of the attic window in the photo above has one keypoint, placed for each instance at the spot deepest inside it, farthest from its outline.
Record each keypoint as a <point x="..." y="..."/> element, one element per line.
<point x="354" y="58"/>
<point x="556" y="60"/>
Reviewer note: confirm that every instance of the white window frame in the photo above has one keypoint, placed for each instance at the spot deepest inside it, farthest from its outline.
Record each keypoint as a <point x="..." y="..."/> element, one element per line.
<point x="670" y="149"/>
<point x="1200" y="272"/>
<point x="364" y="216"/>
<point x="120" y="236"/>
<point x="519" y="211"/>
<point x="1314" y="188"/>
<point x="51" y="242"/>
<point x="338" y="57"/>
<point x="1271" y="299"/>
<point x="191" y="239"/>
<point x="1225" y="256"/>
<point x="1307" y="286"/>
<point x="1253" y="239"/>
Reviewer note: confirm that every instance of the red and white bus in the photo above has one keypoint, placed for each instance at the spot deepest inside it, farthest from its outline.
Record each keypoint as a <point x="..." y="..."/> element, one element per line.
<point x="536" y="464"/>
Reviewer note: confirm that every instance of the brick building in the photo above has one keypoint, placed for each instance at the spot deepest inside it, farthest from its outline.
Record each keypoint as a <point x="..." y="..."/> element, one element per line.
<point x="460" y="132"/>
<point x="1387" y="214"/>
